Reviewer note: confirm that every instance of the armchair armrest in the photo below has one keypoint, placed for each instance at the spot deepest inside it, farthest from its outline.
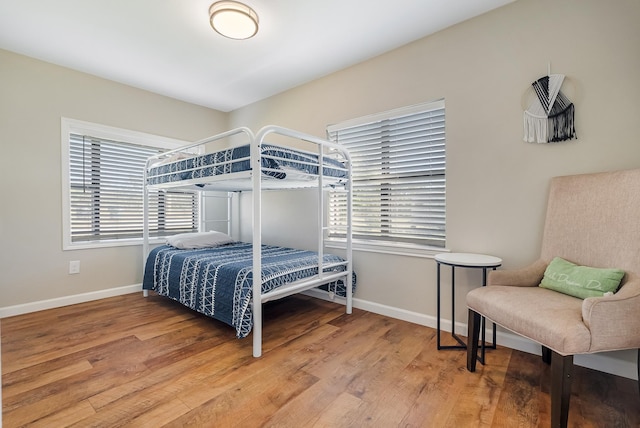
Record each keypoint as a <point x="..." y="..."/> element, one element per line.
<point x="613" y="320"/>
<point x="529" y="276"/>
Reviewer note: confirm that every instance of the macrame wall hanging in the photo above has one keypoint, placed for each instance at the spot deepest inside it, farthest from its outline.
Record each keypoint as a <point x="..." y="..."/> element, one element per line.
<point x="549" y="117"/>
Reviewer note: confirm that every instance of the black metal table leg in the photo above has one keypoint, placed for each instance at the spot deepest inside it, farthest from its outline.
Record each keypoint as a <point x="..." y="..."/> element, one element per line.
<point x="466" y="261"/>
<point x="461" y="343"/>
<point x="483" y="342"/>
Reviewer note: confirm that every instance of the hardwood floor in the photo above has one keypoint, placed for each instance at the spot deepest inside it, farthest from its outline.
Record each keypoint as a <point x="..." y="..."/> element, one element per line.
<point x="131" y="361"/>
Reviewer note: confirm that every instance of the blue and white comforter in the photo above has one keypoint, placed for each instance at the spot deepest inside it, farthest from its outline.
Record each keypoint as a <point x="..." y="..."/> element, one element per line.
<point x="276" y="161"/>
<point x="217" y="282"/>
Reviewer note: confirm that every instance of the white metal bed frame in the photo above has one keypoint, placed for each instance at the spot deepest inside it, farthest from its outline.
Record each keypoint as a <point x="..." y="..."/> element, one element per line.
<point x="257" y="182"/>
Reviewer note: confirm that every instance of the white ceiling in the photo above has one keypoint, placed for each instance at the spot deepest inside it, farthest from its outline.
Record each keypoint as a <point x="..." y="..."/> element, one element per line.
<point x="168" y="46"/>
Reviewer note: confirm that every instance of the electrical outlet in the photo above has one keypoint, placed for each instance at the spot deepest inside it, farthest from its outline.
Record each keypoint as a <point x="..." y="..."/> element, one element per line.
<point x="74" y="267"/>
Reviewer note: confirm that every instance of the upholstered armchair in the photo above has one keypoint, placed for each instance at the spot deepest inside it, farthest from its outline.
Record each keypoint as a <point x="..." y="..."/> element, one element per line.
<point x="592" y="220"/>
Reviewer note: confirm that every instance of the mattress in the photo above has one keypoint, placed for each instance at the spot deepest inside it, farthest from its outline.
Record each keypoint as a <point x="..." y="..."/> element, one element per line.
<point x="218" y="282"/>
<point x="277" y="163"/>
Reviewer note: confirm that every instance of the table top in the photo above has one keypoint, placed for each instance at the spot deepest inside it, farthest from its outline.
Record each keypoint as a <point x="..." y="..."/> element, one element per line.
<point x="468" y="260"/>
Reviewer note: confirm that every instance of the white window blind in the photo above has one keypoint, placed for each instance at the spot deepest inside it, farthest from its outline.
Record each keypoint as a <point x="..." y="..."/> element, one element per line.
<point x="106" y="193"/>
<point x="398" y="162"/>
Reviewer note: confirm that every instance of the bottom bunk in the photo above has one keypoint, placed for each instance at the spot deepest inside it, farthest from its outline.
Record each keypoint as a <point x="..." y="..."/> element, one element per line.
<point x="218" y="281"/>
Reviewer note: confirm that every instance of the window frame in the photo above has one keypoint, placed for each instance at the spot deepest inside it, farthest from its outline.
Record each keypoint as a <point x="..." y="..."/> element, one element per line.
<point x="390" y="246"/>
<point x="72" y="126"/>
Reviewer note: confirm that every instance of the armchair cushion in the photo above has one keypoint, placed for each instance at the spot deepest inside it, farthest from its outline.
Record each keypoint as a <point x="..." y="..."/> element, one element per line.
<point x="580" y="281"/>
<point x="548" y="317"/>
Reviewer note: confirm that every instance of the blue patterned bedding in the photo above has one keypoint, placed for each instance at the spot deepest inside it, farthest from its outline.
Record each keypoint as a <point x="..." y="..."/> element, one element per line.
<point x="276" y="162"/>
<point x="217" y="282"/>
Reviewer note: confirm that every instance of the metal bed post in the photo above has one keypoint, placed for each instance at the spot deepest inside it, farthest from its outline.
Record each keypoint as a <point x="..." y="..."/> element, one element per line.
<point x="349" y="253"/>
<point x="201" y="208"/>
<point x="145" y="221"/>
<point x="256" y="173"/>
<point x="229" y="213"/>
<point x="320" y="211"/>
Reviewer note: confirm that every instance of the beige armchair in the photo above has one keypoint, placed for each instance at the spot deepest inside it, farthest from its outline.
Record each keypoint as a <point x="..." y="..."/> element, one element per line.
<point x="592" y="220"/>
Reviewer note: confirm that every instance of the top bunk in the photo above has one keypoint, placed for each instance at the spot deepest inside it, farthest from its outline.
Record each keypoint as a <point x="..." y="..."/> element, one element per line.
<point x="227" y="161"/>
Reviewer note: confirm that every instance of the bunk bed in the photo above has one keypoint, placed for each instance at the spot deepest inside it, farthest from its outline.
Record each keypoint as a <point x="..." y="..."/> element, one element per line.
<point x="214" y="274"/>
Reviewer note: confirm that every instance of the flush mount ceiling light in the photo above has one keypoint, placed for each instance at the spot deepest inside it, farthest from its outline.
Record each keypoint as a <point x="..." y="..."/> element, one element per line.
<point x="233" y="19"/>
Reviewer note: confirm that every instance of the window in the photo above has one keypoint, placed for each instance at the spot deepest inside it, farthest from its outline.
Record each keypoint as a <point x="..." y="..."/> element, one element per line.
<point x="398" y="160"/>
<point x="103" y="188"/>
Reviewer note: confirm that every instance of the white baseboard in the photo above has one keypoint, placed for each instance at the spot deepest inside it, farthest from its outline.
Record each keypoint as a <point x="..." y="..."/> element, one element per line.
<point x="9" y="311"/>
<point x="605" y="362"/>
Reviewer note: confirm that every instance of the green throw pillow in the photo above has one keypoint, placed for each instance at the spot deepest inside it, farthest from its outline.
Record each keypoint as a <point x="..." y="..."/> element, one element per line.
<point x="580" y="281"/>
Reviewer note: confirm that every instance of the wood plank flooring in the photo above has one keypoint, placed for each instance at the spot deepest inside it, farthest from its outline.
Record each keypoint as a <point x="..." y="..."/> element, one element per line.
<point x="136" y="362"/>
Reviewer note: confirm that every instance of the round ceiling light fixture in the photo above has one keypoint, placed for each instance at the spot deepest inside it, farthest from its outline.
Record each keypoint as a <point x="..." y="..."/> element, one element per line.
<point x="233" y="19"/>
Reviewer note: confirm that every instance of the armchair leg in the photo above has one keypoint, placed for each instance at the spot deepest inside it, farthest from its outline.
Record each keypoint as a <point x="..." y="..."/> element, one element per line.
<point x="546" y="355"/>
<point x="638" y="370"/>
<point x="561" y="372"/>
<point x="473" y="334"/>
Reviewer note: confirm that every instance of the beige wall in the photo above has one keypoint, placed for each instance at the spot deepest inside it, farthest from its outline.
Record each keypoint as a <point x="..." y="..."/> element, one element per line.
<point x="33" y="97"/>
<point x="496" y="183"/>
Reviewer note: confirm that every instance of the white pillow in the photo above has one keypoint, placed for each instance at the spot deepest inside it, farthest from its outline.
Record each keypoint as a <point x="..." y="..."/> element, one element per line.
<point x="190" y="241"/>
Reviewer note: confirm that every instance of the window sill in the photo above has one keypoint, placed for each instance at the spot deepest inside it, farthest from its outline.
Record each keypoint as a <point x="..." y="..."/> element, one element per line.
<point x="395" y="248"/>
<point x="87" y="245"/>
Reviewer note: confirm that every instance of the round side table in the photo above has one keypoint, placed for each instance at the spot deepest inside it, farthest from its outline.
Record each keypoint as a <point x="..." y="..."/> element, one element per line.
<point x="464" y="260"/>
